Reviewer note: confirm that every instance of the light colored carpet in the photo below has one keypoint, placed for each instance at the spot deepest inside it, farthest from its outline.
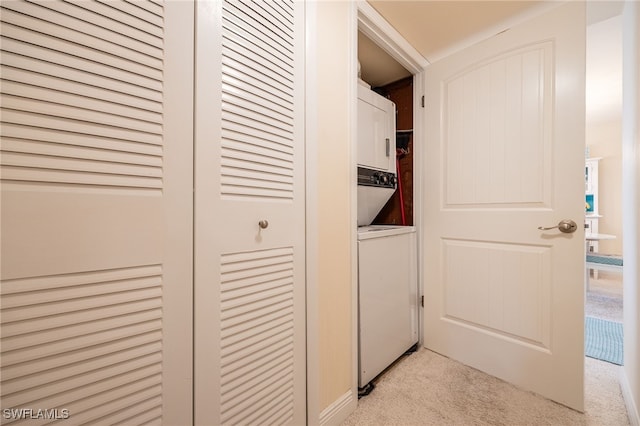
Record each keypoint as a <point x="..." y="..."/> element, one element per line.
<point x="428" y="389"/>
<point x="604" y="298"/>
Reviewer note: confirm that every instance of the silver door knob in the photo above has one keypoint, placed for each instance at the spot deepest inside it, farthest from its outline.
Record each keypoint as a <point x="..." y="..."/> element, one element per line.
<point x="566" y="226"/>
<point x="263" y="224"/>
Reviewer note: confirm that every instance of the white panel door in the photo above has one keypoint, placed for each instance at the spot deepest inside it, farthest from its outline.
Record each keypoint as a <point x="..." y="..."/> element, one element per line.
<point x="505" y="144"/>
<point x="249" y="280"/>
<point x="96" y="211"/>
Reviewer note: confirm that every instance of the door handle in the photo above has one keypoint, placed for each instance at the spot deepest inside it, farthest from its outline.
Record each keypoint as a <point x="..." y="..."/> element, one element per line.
<point x="567" y="226"/>
<point x="388" y="146"/>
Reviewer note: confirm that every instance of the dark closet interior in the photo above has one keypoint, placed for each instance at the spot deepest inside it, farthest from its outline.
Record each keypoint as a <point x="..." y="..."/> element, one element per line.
<point x="399" y="208"/>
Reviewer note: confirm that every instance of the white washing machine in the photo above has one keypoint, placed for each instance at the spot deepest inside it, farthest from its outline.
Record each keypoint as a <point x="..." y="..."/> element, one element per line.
<point x="374" y="190"/>
<point x="388" y="297"/>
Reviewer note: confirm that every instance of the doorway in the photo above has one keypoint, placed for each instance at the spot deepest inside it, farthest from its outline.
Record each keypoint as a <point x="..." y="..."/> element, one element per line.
<point x="603" y="152"/>
<point x="394" y="69"/>
<point x="603" y="204"/>
<point x="391" y="80"/>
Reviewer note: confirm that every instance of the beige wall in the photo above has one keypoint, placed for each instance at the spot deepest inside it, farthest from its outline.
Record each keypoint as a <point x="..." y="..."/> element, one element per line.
<point x="604" y="139"/>
<point x="334" y="203"/>
<point x="604" y="122"/>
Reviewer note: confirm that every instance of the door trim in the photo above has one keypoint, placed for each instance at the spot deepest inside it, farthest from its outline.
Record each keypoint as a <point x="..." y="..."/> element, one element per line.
<point x="376" y="28"/>
<point x="311" y="215"/>
<point x="630" y="373"/>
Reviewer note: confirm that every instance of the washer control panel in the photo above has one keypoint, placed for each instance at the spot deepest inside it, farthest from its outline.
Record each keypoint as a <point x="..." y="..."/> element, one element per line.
<point x="377" y="178"/>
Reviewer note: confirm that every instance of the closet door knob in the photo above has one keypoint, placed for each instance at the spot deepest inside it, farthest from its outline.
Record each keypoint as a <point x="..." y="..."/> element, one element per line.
<point x="263" y="224"/>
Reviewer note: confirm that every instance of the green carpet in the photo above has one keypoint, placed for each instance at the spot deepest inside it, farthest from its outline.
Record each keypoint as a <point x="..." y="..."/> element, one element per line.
<point x="603" y="340"/>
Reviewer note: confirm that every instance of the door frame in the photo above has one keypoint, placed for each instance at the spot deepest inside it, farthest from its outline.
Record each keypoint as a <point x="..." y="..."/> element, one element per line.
<point x="629" y="373"/>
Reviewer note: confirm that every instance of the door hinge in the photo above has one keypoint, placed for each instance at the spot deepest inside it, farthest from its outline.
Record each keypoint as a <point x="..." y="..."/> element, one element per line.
<point x="422" y="301"/>
<point x="422" y="101"/>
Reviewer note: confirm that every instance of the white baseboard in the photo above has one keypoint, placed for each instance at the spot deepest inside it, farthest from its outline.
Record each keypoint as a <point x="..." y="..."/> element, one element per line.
<point x="632" y="408"/>
<point x="339" y="410"/>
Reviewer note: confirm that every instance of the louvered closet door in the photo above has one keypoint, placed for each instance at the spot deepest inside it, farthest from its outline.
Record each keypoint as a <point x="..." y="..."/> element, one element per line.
<point x="96" y="211"/>
<point x="249" y="282"/>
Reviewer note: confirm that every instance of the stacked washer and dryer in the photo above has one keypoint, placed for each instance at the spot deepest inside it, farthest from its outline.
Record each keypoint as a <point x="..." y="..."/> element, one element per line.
<point x="387" y="258"/>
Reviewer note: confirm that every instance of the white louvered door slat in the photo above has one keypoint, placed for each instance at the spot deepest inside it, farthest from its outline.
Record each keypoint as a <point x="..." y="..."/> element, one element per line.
<point x="125" y="23"/>
<point x="96" y="187"/>
<point x="66" y="39"/>
<point x="78" y="101"/>
<point x="249" y="282"/>
<point x="72" y="111"/>
<point x="49" y="77"/>
<point x="19" y="126"/>
<point x="16" y="144"/>
<point x="25" y="57"/>
<point x="65" y="22"/>
<point x="66" y="359"/>
<point x="260" y="87"/>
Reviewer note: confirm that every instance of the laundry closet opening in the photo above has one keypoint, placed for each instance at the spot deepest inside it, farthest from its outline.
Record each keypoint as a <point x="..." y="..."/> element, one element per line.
<point x="388" y="301"/>
<point x="391" y="80"/>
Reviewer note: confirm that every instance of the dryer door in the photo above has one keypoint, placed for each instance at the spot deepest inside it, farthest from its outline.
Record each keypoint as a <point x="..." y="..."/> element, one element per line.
<point x="376" y="131"/>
